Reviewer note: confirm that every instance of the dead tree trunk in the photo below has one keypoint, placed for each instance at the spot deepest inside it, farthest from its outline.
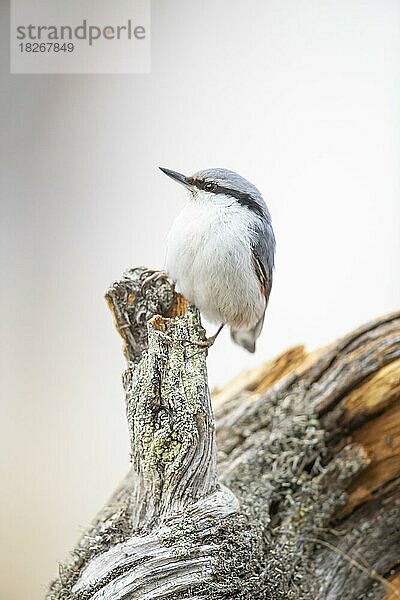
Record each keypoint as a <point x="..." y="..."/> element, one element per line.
<point x="306" y="503"/>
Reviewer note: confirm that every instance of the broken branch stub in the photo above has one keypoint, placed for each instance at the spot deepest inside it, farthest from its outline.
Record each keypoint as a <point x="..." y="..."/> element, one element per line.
<point x="307" y="504"/>
<point x="170" y="422"/>
<point x="176" y="501"/>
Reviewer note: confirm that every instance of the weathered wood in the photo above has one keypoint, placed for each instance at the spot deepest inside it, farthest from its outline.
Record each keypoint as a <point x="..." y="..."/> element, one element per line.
<point x="307" y="502"/>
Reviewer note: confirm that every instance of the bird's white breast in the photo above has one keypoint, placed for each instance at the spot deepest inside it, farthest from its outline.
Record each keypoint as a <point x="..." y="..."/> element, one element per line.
<point x="209" y="256"/>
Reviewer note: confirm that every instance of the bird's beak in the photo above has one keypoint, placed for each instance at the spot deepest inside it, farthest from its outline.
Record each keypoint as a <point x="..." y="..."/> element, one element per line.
<point x="176" y="176"/>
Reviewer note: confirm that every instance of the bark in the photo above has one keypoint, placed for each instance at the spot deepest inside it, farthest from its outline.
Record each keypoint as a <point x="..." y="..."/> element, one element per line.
<point x="306" y="503"/>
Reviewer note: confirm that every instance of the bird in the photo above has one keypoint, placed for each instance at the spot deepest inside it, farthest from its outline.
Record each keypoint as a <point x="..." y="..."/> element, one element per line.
<point x="221" y="250"/>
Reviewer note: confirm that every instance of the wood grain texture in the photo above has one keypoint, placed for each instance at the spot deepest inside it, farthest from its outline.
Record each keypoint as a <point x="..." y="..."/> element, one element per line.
<point x="302" y="499"/>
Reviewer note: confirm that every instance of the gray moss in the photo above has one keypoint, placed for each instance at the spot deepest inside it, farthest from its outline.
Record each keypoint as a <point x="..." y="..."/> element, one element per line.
<point x="278" y="473"/>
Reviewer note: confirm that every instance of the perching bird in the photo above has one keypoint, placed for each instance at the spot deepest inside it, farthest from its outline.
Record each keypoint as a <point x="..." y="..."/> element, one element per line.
<point x="221" y="251"/>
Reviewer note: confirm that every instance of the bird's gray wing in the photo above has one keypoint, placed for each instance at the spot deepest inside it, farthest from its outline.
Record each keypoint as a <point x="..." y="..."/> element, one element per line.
<point x="263" y="252"/>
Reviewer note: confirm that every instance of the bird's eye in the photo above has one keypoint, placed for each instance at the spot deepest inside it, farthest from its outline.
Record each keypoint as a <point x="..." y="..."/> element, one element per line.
<point x="210" y="186"/>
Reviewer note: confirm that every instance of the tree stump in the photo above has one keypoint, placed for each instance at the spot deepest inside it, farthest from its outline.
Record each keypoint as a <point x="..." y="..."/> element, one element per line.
<point x="291" y="490"/>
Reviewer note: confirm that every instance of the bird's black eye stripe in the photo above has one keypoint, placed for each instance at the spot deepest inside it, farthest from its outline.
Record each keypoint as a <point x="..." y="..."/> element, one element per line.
<point x="243" y="198"/>
<point x="202" y="184"/>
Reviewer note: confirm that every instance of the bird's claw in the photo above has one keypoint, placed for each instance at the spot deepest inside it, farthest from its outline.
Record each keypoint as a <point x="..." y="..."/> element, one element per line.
<point x="206" y="343"/>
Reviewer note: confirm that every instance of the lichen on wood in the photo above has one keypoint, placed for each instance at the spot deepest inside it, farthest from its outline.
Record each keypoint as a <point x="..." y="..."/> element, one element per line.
<point x="170" y="422"/>
<point x="304" y="500"/>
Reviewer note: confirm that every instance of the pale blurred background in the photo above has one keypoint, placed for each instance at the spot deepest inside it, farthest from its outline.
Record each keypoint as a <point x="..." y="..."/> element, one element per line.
<point x="302" y="97"/>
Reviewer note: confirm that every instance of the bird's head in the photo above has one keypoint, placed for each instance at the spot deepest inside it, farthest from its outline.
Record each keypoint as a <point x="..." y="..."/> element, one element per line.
<point x="222" y="187"/>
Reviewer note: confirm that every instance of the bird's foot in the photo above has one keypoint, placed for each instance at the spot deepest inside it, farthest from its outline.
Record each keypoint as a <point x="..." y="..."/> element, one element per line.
<point x="207" y="342"/>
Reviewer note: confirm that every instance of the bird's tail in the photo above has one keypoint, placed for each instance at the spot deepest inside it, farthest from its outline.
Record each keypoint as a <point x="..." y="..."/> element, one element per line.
<point x="247" y="337"/>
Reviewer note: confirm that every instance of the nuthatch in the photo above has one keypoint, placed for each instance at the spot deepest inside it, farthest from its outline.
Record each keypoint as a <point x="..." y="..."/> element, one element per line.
<point x="221" y="251"/>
